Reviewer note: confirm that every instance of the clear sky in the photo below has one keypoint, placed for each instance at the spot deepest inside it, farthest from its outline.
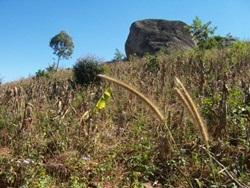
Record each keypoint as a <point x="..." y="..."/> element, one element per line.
<point x="97" y="27"/>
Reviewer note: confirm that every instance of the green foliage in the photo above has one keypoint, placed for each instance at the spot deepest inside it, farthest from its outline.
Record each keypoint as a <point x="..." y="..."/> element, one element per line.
<point x="205" y="38"/>
<point x="207" y="107"/>
<point x="152" y="65"/>
<point x="219" y="42"/>
<point x="51" y="68"/>
<point x="238" y="48"/>
<point x="239" y="110"/>
<point x="63" y="46"/>
<point x="202" y="33"/>
<point x="103" y="99"/>
<point x="74" y="182"/>
<point x="237" y="113"/>
<point x="42" y="73"/>
<point x="30" y="173"/>
<point x="46" y="73"/>
<point x="139" y="162"/>
<point x="119" y="56"/>
<point x="86" y="70"/>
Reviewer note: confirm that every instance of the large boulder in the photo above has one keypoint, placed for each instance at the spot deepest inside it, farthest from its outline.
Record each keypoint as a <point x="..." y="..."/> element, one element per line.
<point x="153" y="35"/>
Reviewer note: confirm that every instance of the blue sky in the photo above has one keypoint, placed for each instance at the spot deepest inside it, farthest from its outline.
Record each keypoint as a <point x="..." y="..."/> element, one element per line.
<point x="97" y="27"/>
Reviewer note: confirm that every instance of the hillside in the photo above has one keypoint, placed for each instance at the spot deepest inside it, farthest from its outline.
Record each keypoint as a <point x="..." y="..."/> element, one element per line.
<point x="52" y="135"/>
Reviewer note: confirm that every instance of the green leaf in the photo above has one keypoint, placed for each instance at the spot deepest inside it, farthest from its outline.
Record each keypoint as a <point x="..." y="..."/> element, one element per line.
<point x="198" y="182"/>
<point x="103" y="99"/>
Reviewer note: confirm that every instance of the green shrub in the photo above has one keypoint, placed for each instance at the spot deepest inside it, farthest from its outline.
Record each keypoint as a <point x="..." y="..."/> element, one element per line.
<point x="86" y="70"/>
<point x="152" y="65"/>
<point x="51" y="68"/>
<point x="42" y="73"/>
<point x="119" y="56"/>
<point x="203" y="33"/>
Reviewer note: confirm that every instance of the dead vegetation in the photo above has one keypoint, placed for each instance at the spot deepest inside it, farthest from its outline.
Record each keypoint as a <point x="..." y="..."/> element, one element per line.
<point x="49" y="138"/>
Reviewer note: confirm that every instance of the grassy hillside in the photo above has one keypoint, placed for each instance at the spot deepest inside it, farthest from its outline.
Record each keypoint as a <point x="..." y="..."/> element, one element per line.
<point x="52" y="134"/>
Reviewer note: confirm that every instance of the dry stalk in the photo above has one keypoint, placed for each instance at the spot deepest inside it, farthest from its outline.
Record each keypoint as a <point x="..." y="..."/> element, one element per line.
<point x="224" y="169"/>
<point x="143" y="97"/>
<point x="187" y="100"/>
<point x="140" y="95"/>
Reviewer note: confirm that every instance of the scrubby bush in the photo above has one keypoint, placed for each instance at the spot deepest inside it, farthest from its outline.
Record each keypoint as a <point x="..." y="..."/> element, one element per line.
<point x="51" y="68"/>
<point x="41" y="73"/>
<point x="86" y="70"/>
<point x="152" y="65"/>
<point x="47" y="72"/>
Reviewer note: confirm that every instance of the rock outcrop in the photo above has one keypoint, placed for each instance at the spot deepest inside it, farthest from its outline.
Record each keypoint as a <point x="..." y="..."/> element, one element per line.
<point x="153" y="35"/>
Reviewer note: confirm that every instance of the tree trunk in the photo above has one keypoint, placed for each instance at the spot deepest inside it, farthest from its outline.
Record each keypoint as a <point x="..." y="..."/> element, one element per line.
<point x="57" y="64"/>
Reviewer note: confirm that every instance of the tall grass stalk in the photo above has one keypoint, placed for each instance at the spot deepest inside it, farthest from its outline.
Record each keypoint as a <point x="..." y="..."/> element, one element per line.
<point x="143" y="97"/>
<point x="189" y="103"/>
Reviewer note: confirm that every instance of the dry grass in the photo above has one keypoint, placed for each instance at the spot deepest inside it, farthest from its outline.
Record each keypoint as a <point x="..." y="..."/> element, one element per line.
<point x="5" y="151"/>
<point x="126" y="144"/>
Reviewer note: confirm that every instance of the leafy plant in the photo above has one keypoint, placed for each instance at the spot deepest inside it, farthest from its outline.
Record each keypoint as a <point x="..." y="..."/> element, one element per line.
<point x="119" y="56"/>
<point x="42" y="73"/>
<point x="103" y="99"/>
<point x="51" y="68"/>
<point x="237" y="50"/>
<point x="86" y="70"/>
<point x="152" y="65"/>
<point x="202" y="33"/>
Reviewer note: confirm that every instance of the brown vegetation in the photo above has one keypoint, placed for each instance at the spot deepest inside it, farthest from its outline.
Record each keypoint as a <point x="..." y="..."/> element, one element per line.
<point x="43" y="140"/>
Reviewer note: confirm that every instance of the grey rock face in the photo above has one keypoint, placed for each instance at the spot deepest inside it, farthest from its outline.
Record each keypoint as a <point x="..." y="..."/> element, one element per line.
<point x="153" y="35"/>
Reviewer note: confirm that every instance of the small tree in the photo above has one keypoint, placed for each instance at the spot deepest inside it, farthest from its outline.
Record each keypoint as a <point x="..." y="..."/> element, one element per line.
<point x="62" y="45"/>
<point x="119" y="56"/>
<point x="203" y="33"/>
